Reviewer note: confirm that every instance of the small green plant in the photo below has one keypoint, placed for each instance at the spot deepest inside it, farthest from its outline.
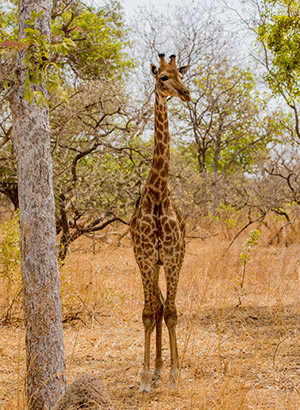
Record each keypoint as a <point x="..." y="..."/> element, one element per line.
<point x="10" y="263"/>
<point x="248" y="248"/>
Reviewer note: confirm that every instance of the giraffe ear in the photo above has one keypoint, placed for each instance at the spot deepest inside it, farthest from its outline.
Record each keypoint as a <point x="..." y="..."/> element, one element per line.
<point x="154" y="70"/>
<point x="183" y="69"/>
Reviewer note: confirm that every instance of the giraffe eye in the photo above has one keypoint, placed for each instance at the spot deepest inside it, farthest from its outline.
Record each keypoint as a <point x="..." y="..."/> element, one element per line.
<point x="164" y="78"/>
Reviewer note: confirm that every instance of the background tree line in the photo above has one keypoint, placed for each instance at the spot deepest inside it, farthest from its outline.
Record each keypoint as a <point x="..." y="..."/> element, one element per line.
<point x="234" y="147"/>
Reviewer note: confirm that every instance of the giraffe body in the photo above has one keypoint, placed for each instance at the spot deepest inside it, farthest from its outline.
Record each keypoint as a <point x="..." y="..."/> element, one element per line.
<point x="158" y="229"/>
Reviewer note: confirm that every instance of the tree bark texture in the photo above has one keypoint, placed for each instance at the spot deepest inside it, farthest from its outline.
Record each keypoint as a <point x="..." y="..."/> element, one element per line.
<point x="41" y="284"/>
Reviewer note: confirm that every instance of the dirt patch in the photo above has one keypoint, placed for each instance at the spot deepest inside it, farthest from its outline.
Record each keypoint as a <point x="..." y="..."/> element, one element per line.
<point x="86" y="392"/>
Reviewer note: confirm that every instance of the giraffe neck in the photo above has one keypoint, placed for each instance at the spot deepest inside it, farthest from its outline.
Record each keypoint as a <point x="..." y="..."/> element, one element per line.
<point x="157" y="180"/>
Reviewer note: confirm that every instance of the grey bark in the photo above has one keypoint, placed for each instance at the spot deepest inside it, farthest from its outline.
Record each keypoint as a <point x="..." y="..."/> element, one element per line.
<point x="41" y="283"/>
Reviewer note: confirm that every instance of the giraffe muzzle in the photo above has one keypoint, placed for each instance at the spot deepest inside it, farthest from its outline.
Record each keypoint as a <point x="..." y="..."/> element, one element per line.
<point x="185" y="96"/>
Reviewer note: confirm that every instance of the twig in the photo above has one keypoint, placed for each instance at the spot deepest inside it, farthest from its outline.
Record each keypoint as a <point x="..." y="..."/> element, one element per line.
<point x="122" y="236"/>
<point x="277" y="347"/>
<point x="201" y="237"/>
<point x="90" y="312"/>
<point x="6" y="137"/>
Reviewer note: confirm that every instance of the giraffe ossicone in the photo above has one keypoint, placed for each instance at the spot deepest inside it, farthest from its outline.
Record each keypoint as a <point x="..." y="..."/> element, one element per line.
<point x="158" y="229"/>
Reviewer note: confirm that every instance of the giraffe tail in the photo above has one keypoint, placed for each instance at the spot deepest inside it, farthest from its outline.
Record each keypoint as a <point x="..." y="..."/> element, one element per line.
<point x="159" y="296"/>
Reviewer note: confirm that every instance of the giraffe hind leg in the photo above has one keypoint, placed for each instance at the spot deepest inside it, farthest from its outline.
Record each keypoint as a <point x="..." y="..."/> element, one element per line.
<point x="170" y="316"/>
<point x="171" y="319"/>
<point x="158" y="321"/>
<point x="152" y="317"/>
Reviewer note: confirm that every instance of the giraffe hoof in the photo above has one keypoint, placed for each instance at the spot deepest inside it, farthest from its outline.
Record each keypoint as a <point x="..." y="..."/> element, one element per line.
<point x="156" y="374"/>
<point x="144" y="389"/>
<point x="173" y="384"/>
<point x="173" y="379"/>
<point x="146" y="377"/>
<point x="158" y="368"/>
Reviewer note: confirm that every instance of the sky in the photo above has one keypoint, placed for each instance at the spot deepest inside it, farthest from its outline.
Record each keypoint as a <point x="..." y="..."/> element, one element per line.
<point x="162" y="5"/>
<point x="229" y="18"/>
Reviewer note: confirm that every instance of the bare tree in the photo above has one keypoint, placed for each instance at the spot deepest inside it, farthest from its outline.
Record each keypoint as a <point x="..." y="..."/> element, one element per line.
<point x="94" y="170"/>
<point x="228" y="123"/>
<point x="41" y="283"/>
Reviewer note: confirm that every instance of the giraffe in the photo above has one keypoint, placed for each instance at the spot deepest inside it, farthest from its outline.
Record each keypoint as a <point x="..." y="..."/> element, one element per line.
<point x="158" y="229"/>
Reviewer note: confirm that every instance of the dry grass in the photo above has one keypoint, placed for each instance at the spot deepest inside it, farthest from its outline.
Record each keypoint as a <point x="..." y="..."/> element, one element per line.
<point x="245" y="357"/>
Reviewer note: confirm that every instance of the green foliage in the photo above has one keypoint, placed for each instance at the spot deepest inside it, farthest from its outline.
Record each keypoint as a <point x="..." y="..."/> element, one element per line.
<point x="100" y="37"/>
<point x="86" y="43"/>
<point x="228" y="120"/>
<point x="279" y="32"/>
<point x="40" y="69"/>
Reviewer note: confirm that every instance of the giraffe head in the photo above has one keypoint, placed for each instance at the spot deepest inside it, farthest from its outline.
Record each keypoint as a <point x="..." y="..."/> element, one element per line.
<point x="169" y="79"/>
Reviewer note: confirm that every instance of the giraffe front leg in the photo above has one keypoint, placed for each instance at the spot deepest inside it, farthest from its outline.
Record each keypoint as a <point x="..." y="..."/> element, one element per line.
<point x="148" y="273"/>
<point x="146" y="375"/>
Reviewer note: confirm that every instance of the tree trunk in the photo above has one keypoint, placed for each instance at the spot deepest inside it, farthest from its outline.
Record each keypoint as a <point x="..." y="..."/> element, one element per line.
<point x="41" y="283"/>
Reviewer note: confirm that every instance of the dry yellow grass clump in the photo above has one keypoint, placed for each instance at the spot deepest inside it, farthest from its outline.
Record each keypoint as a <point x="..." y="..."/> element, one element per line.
<point x="238" y="345"/>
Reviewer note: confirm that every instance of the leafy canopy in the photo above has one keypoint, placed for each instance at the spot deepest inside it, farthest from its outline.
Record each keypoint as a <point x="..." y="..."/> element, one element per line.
<point x="279" y="33"/>
<point x="86" y="43"/>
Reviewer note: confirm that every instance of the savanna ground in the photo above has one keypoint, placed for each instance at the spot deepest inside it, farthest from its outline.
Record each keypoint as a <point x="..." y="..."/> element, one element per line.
<point x="232" y="357"/>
